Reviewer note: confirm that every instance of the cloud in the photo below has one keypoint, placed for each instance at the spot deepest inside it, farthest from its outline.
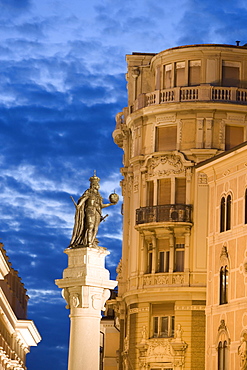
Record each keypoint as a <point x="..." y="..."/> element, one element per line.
<point x="15" y="5"/>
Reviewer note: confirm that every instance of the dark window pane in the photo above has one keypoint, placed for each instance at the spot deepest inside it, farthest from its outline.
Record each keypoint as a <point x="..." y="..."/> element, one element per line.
<point x="228" y="212"/>
<point x="222" y="214"/>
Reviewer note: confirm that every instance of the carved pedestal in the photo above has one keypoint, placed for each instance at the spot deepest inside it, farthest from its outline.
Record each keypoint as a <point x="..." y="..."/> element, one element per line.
<point x="85" y="287"/>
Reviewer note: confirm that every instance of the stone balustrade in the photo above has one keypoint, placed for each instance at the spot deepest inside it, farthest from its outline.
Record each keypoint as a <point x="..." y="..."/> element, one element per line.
<point x="194" y="93"/>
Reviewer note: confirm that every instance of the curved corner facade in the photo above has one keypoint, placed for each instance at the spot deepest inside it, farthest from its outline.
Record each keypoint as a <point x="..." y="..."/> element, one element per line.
<point x="185" y="105"/>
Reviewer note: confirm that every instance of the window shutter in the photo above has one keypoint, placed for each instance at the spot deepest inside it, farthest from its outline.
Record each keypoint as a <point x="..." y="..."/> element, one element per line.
<point x="180" y="191"/>
<point x="150" y="194"/>
<point x="166" y="138"/>
<point x="194" y="72"/>
<point x="230" y="76"/>
<point x="163" y="309"/>
<point x="233" y="136"/>
<point x="164" y="191"/>
<point x="168" y="76"/>
<point x="180" y="74"/>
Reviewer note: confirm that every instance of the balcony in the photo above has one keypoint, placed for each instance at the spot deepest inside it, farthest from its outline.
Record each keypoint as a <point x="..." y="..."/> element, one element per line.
<point x="203" y="92"/>
<point x="164" y="213"/>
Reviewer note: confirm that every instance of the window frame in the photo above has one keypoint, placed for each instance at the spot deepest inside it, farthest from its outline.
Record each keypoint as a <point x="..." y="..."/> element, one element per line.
<point x="224" y="285"/>
<point x="157" y="321"/>
<point x="165" y="261"/>
<point x="224" y="80"/>
<point x="180" y="247"/>
<point x="226" y="213"/>
<point x="222" y="355"/>
<point x="173" y="143"/>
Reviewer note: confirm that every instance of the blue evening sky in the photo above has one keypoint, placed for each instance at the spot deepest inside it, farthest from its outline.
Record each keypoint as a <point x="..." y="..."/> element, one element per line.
<point x="62" y="81"/>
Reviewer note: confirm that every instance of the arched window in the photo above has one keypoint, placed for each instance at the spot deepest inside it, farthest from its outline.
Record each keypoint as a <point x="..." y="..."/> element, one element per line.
<point x="228" y="212"/>
<point x="222" y="214"/>
<point x="223" y="285"/>
<point x="223" y="344"/>
<point x="225" y="213"/>
<point x="222" y="355"/>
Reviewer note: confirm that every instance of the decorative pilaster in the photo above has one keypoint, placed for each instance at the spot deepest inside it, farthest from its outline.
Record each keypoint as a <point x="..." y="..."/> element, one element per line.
<point x="85" y="285"/>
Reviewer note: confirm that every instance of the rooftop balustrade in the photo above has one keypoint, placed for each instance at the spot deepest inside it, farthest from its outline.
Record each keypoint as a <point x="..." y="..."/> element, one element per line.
<point x="203" y="92"/>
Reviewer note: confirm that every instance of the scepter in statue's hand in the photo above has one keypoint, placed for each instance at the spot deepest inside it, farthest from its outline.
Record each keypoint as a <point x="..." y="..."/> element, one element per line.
<point x="73" y="201"/>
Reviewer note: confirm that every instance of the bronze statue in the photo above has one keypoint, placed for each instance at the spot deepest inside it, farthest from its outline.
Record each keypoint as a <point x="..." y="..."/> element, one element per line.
<point x="88" y="215"/>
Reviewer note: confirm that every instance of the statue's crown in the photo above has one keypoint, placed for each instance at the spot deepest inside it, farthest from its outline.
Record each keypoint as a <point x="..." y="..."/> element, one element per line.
<point x="94" y="178"/>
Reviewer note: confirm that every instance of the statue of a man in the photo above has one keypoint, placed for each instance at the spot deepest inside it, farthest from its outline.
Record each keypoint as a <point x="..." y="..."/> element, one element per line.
<point x="88" y="215"/>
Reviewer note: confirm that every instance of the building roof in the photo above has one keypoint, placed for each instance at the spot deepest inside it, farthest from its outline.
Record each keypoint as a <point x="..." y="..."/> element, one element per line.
<point x="221" y="155"/>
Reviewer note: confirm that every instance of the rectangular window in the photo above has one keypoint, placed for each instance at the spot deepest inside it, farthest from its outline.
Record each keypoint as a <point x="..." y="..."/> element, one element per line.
<point x="163" y="326"/>
<point x="180" y="74"/>
<point x="179" y="255"/>
<point x="180" y="191"/>
<point x="164" y="191"/>
<point x="168" y="76"/>
<point x="233" y="136"/>
<point x="150" y="262"/>
<point x="230" y="74"/>
<point x="166" y="138"/>
<point x="224" y="285"/>
<point x="163" y="254"/>
<point x="150" y="194"/>
<point x="194" y="72"/>
<point x="164" y="261"/>
<point x="157" y="78"/>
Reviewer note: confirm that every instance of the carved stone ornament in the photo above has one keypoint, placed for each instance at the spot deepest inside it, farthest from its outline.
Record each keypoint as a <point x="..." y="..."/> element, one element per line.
<point x="159" y="348"/>
<point x="222" y="325"/>
<point x="119" y="269"/>
<point x="165" y="165"/>
<point x="65" y="295"/>
<point x="242" y="352"/>
<point x="144" y="334"/>
<point x="75" y="300"/>
<point x="224" y="256"/>
<point x="96" y="301"/>
<point x="136" y="184"/>
<point x="202" y="179"/>
<point x="178" y="279"/>
<point x="178" y="334"/>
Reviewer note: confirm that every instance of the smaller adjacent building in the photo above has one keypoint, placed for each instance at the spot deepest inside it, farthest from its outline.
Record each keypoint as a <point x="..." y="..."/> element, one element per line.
<point x="109" y="335"/>
<point x="226" y="307"/>
<point x="17" y="334"/>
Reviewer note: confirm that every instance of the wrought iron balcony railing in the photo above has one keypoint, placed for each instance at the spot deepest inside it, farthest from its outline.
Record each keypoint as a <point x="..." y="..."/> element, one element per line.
<point x="164" y="213"/>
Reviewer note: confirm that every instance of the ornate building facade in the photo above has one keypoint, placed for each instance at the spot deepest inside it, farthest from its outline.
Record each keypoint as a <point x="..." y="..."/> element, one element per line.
<point x="186" y="105"/>
<point x="17" y="334"/>
<point x="226" y="309"/>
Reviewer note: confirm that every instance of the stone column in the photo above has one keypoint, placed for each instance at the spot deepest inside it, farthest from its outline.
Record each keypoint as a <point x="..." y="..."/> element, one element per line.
<point x="85" y="285"/>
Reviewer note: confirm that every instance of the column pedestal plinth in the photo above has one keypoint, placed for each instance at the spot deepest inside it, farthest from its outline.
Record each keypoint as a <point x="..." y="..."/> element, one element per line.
<point x="86" y="286"/>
